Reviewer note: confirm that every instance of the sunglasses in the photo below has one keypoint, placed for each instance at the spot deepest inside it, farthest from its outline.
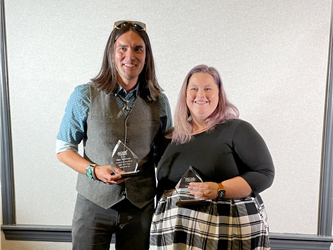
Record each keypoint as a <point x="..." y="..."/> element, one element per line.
<point x="136" y="24"/>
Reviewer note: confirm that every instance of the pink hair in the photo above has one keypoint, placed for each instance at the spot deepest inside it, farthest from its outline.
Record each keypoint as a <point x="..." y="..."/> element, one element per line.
<point x="224" y="111"/>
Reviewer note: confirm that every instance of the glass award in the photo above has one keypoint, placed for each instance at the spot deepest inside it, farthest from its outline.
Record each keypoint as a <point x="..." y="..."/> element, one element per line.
<point x="184" y="195"/>
<point x="124" y="159"/>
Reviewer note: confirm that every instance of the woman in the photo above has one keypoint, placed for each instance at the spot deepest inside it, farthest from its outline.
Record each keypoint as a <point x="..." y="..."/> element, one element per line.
<point x="234" y="163"/>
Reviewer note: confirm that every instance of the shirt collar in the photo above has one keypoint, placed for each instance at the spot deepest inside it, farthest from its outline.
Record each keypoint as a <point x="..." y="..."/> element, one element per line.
<point x="121" y="91"/>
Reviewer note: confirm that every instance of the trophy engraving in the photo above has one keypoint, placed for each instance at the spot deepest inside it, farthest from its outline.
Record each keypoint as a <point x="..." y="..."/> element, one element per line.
<point x="124" y="159"/>
<point x="184" y="195"/>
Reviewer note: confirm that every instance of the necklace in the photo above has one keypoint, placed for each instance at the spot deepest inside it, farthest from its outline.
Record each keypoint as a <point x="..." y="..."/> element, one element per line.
<point x="199" y="130"/>
<point x="126" y="108"/>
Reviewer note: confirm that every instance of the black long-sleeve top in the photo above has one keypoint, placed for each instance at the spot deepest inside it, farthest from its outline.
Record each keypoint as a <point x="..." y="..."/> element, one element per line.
<point x="232" y="149"/>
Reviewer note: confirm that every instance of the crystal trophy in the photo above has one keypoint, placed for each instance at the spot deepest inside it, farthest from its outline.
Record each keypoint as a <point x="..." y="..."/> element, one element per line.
<point x="184" y="195"/>
<point x="124" y="159"/>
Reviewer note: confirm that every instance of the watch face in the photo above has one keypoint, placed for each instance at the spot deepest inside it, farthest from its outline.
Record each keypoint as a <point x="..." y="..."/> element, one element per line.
<point x="221" y="194"/>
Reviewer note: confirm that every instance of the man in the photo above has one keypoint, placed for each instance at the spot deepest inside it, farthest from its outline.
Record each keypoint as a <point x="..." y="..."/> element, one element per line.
<point x="124" y="102"/>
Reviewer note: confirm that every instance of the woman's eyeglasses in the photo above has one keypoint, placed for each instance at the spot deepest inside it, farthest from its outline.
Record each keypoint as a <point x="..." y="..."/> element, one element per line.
<point x="136" y="24"/>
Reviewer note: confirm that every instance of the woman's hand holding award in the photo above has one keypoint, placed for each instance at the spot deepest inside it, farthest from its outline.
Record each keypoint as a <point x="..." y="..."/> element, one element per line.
<point x="184" y="194"/>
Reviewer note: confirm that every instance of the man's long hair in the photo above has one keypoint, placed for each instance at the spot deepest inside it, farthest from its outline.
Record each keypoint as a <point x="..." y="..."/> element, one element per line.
<point x="224" y="111"/>
<point x="106" y="79"/>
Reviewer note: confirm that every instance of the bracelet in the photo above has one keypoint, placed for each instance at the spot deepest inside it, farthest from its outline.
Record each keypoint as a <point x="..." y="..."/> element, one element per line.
<point x="90" y="171"/>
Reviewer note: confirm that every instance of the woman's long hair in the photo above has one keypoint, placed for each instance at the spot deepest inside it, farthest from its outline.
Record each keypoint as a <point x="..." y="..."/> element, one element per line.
<point x="106" y="79"/>
<point x="182" y="132"/>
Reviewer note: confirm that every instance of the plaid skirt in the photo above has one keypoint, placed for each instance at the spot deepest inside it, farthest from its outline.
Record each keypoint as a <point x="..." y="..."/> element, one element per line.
<point x="227" y="224"/>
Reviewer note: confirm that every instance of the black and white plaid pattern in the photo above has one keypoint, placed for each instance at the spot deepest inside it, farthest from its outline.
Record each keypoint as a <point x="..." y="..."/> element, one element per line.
<point x="227" y="224"/>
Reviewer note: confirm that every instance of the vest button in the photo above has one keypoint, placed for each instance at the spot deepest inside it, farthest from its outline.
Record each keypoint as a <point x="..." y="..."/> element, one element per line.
<point x="127" y="140"/>
<point x="128" y="124"/>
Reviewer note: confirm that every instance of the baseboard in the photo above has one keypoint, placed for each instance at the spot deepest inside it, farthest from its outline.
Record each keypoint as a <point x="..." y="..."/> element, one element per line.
<point x="279" y="241"/>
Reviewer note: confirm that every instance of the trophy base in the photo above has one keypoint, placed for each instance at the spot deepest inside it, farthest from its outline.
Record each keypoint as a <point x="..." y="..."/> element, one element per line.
<point x="130" y="174"/>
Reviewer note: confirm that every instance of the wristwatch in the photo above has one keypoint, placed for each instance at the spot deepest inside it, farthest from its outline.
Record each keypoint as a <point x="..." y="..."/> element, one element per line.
<point x="220" y="192"/>
<point x="90" y="171"/>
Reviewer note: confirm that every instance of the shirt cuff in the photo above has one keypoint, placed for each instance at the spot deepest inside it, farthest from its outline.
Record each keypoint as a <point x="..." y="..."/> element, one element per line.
<point x="65" y="146"/>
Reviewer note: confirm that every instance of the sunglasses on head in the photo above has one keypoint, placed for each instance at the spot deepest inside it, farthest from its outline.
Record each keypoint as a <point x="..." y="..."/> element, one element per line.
<point x="136" y="24"/>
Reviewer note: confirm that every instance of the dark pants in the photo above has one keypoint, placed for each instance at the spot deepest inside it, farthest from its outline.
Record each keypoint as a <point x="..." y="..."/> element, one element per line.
<point x="93" y="226"/>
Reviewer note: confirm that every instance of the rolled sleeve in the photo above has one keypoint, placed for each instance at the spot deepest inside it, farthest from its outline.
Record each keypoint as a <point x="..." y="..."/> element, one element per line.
<point x="62" y="146"/>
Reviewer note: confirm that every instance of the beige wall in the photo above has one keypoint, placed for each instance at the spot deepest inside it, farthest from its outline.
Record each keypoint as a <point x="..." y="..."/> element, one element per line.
<point x="272" y="56"/>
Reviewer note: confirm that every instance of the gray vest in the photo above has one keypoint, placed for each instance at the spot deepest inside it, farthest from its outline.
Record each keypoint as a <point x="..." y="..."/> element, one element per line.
<point x="103" y="131"/>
